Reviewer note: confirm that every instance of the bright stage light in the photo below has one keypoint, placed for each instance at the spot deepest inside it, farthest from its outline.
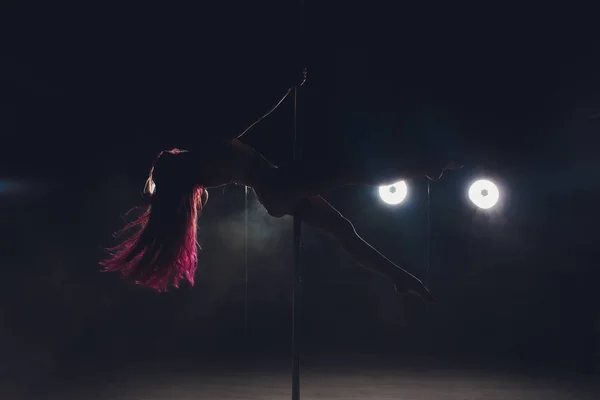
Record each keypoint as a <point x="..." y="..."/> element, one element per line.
<point x="393" y="194"/>
<point x="484" y="194"/>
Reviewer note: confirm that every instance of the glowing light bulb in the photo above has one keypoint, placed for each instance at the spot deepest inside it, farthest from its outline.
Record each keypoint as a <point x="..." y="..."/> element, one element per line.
<point x="484" y="194"/>
<point x="393" y="194"/>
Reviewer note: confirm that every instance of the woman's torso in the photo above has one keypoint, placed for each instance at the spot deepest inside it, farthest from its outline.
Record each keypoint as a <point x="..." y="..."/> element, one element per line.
<point x="231" y="161"/>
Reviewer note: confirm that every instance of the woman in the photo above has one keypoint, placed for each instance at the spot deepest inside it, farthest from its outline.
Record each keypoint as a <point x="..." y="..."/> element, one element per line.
<point x="164" y="248"/>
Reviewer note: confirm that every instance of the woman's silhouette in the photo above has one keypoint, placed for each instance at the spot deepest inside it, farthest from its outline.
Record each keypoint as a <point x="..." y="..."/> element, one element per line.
<point x="163" y="250"/>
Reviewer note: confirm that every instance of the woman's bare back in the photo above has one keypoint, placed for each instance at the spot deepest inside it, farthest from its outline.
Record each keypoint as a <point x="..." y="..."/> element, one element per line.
<point x="225" y="162"/>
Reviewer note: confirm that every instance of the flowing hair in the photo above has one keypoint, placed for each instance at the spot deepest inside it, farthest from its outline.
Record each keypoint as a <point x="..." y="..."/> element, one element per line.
<point x="163" y="250"/>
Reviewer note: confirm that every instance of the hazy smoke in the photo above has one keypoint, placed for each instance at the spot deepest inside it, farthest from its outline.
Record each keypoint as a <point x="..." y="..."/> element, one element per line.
<point x="264" y="232"/>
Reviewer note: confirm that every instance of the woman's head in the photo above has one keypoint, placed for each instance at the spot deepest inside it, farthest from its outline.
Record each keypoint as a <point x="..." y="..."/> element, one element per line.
<point x="163" y="250"/>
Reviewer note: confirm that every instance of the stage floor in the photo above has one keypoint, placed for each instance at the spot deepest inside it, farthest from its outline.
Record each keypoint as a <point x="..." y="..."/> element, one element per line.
<point x="331" y="384"/>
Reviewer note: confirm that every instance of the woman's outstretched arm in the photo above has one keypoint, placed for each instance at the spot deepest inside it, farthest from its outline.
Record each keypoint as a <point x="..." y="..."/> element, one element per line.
<point x="238" y="135"/>
<point x="310" y="178"/>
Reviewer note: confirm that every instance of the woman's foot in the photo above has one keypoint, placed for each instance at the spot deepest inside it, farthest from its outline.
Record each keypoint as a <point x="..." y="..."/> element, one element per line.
<point x="410" y="285"/>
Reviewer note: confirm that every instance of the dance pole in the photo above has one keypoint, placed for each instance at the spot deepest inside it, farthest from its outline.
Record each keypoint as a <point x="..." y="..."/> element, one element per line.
<point x="297" y="288"/>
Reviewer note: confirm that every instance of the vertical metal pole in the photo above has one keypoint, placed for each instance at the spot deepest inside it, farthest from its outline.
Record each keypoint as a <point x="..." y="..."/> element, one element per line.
<point x="297" y="288"/>
<point x="428" y="231"/>
<point x="246" y="260"/>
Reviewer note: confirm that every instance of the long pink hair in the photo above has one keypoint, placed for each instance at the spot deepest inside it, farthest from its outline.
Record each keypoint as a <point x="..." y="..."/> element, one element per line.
<point x="163" y="250"/>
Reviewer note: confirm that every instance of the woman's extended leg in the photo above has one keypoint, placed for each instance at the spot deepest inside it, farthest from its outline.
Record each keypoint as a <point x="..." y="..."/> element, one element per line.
<point x="318" y="213"/>
<point x="302" y="179"/>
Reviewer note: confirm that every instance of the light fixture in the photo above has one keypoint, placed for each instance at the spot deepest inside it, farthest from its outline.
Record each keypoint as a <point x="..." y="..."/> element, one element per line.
<point x="393" y="194"/>
<point x="484" y="194"/>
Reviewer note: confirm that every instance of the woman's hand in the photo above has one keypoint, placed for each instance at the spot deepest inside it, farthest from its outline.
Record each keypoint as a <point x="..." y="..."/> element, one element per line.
<point x="436" y="174"/>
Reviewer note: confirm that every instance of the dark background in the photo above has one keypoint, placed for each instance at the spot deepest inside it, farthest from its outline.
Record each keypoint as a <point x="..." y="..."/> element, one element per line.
<point x="91" y="91"/>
